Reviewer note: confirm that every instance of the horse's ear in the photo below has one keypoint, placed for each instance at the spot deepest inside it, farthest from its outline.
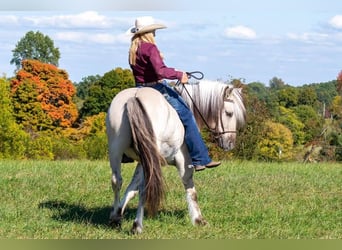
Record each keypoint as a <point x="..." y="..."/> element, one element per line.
<point x="228" y="90"/>
<point x="239" y="90"/>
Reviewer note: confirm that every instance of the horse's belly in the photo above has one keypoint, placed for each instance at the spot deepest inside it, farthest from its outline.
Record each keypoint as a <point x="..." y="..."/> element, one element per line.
<point x="169" y="150"/>
<point x="171" y="138"/>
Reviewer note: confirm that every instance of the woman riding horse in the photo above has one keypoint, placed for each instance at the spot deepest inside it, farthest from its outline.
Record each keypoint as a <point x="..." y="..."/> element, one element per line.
<point x="149" y="70"/>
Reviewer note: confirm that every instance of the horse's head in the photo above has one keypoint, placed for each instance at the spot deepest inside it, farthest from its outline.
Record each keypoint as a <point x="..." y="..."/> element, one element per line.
<point x="219" y="107"/>
<point x="231" y="118"/>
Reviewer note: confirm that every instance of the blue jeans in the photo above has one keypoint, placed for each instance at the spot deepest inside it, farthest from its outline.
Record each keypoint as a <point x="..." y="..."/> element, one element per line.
<point x="193" y="139"/>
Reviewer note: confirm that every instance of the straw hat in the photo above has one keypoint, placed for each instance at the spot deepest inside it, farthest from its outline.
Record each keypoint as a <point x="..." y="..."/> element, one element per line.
<point x="145" y="24"/>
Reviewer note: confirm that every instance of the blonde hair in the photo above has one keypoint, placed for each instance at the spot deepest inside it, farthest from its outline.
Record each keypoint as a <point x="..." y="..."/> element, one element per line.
<point x="136" y="41"/>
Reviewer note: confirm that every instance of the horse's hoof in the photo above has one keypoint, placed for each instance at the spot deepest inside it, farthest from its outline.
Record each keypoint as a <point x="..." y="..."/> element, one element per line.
<point x="115" y="222"/>
<point x="201" y="222"/>
<point x="136" y="228"/>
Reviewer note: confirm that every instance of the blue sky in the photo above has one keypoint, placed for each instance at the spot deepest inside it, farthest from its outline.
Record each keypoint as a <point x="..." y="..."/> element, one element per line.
<point x="297" y="41"/>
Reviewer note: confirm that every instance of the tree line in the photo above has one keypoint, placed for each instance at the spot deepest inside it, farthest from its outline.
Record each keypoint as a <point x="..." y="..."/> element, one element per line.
<point x="46" y="116"/>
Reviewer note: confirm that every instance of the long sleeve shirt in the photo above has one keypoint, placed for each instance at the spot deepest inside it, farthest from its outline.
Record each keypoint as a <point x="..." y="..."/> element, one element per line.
<point x="150" y="66"/>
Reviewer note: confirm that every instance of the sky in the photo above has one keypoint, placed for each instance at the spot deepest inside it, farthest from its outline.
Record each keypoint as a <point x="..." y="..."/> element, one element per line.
<point x="253" y="40"/>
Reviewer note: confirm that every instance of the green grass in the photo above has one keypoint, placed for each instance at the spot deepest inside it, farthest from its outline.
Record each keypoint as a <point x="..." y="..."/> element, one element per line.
<point x="240" y="200"/>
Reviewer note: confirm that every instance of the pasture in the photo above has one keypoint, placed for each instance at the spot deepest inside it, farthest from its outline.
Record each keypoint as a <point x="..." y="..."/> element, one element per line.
<point x="240" y="200"/>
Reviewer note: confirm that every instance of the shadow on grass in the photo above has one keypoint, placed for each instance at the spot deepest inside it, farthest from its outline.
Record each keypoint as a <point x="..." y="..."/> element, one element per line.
<point x="97" y="216"/>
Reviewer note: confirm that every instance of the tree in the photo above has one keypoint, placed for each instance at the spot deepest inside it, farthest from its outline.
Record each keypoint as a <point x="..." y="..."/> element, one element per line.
<point x="277" y="83"/>
<point x="258" y="89"/>
<point x="101" y="93"/>
<point x="251" y="133"/>
<point x="42" y="96"/>
<point x="276" y="142"/>
<point x="85" y="84"/>
<point x="313" y="123"/>
<point x="12" y="137"/>
<point x="339" y="83"/>
<point x="307" y="96"/>
<point x="288" y="97"/>
<point x="336" y="107"/>
<point x="35" y="45"/>
<point x="288" y="118"/>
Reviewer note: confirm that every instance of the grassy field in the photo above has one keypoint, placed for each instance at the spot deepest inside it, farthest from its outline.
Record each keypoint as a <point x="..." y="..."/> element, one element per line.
<point x="240" y="200"/>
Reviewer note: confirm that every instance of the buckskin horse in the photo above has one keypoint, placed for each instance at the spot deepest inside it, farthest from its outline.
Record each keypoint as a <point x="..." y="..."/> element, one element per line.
<point x="141" y="124"/>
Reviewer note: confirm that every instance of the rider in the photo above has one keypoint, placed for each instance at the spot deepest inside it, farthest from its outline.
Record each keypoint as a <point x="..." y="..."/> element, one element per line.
<point x="149" y="70"/>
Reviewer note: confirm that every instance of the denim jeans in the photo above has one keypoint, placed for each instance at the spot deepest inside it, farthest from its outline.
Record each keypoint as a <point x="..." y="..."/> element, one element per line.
<point x="193" y="139"/>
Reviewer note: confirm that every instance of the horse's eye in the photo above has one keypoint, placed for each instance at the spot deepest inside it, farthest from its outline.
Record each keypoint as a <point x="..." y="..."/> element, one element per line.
<point x="229" y="114"/>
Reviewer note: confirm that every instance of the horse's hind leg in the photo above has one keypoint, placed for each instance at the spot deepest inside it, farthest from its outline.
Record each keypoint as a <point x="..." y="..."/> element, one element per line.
<point x="136" y="186"/>
<point x="115" y="217"/>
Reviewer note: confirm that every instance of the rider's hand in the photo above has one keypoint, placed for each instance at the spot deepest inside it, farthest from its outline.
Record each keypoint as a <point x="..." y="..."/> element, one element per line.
<point x="185" y="78"/>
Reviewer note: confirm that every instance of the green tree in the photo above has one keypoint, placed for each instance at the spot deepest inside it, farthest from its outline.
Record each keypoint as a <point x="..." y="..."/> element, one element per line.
<point x="276" y="142"/>
<point x="289" y="118"/>
<point x="339" y="83"/>
<point x="84" y="85"/>
<point x="307" y="96"/>
<point x="35" y="45"/>
<point x="288" y="96"/>
<point x="336" y="107"/>
<point x="12" y="138"/>
<point x="277" y="83"/>
<point x="313" y="123"/>
<point x="246" y="146"/>
<point x="258" y="89"/>
<point x="101" y="93"/>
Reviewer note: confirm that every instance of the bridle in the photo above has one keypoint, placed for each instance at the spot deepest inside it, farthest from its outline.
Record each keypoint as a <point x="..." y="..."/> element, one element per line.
<point x="215" y="133"/>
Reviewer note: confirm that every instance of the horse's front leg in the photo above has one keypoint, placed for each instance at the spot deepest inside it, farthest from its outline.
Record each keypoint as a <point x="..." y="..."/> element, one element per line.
<point x="186" y="171"/>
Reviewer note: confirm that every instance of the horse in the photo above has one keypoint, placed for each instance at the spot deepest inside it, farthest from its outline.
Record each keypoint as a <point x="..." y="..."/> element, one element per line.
<point x="142" y="125"/>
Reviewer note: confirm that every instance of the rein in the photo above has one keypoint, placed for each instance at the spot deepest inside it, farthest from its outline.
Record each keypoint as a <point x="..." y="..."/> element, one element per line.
<point x="213" y="131"/>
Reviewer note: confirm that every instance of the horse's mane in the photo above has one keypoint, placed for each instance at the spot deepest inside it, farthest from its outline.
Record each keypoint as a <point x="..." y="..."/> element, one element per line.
<point x="208" y="96"/>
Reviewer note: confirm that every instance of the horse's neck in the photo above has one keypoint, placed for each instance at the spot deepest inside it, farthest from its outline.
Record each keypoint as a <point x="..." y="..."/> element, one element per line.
<point x="200" y="102"/>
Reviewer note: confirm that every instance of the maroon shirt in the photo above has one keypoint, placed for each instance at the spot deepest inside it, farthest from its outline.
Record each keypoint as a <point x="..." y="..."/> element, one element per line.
<point x="150" y="67"/>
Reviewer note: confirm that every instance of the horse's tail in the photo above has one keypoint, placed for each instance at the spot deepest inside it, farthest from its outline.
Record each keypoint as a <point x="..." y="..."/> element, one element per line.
<point x="151" y="160"/>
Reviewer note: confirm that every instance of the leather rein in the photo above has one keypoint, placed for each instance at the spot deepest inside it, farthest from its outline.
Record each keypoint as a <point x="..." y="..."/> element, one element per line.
<point x="213" y="131"/>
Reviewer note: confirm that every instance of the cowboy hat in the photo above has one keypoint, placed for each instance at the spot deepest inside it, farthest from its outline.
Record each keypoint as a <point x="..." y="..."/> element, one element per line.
<point x="145" y="24"/>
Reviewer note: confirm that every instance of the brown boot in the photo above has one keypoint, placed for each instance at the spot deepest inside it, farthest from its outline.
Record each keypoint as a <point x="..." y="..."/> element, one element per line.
<point x="199" y="167"/>
<point x="213" y="164"/>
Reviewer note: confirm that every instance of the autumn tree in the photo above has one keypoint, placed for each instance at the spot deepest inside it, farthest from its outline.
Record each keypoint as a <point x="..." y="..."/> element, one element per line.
<point x="37" y="46"/>
<point x="42" y="96"/>
<point x="276" y="142"/>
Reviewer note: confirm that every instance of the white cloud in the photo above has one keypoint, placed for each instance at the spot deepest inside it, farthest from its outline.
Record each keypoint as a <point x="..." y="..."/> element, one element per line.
<point x="88" y="19"/>
<point x="99" y="38"/>
<point x="9" y="20"/>
<point x="336" y="22"/>
<point x="240" y="32"/>
<point x="312" y="38"/>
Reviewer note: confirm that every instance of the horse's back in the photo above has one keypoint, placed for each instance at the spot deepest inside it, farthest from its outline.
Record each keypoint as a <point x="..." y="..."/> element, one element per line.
<point x="167" y="127"/>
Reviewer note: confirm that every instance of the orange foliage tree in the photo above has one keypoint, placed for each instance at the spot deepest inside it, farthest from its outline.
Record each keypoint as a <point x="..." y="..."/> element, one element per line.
<point x="42" y="96"/>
